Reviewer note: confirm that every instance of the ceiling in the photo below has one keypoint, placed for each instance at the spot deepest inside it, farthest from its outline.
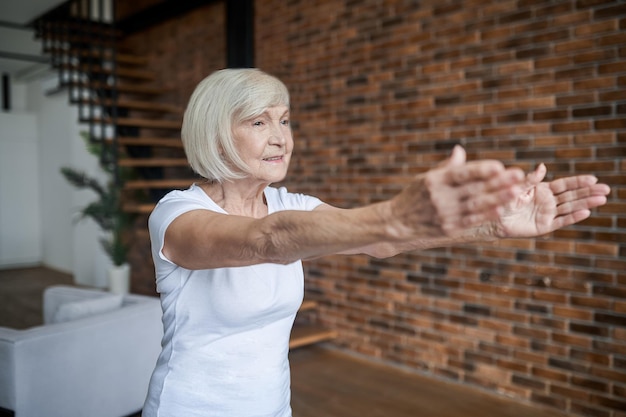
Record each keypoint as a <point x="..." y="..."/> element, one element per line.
<point x="20" y="42"/>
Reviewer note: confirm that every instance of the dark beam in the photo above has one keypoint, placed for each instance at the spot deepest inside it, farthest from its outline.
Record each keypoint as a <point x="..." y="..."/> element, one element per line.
<point x="240" y="33"/>
<point x="158" y="13"/>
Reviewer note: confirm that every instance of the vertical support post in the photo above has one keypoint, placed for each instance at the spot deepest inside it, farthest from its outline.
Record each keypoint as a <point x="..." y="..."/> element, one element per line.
<point x="6" y="92"/>
<point x="240" y="33"/>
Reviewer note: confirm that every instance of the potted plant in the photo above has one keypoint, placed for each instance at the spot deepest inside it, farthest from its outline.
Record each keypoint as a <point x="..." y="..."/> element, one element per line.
<point x="107" y="211"/>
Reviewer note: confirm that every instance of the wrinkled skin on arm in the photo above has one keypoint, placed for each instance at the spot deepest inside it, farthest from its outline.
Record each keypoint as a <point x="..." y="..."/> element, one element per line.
<point x="456" y="202"/>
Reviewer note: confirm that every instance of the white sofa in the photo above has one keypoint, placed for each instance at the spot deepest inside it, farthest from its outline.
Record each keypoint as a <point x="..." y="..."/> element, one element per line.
<point x="92" y="357"/>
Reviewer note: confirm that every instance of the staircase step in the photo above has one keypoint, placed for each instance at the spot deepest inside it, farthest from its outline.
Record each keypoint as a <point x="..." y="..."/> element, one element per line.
<point x="133" y="122"/>
<point x="100" y="41"/>
<point x="85" y="26"/>
<point x="153" y="162"/>
<point x="136" y="208"/>
<point x="177" y="183"/>
<point x="133" y="73"/>
<point x="151" y="124"/>
<point x="302" y="335"/>
<point x="136" y="105"/>
<point x="121" y="58"/>
<point x="308" y="305"/>
<point x="157" y="142"/>
<point x="122" y="88"/>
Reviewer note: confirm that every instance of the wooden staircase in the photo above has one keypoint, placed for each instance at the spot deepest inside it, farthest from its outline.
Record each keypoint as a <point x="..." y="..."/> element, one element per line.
<point x="118" y="98"/>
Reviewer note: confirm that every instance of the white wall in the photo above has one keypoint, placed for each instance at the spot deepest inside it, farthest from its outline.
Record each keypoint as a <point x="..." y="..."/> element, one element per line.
<point x="20" y="228"/>
<point x="65" y="242"/>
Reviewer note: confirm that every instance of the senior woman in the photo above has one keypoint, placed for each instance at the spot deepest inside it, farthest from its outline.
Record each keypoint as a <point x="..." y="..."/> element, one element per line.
<point x="228" y="250"/>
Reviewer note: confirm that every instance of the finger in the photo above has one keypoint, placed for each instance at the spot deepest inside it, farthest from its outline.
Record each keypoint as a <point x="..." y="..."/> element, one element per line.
<point x="490" y="201"/>
<point x="594" y="190"/>
<point x="535" y="177"/>
<point x="509" y="180"/>
<point x="569" y="219"/>
<point x="457" y="157"/>
<point x="581" y="204"/>
<point x="572" y="183"/>
<point x="475" y="171"/>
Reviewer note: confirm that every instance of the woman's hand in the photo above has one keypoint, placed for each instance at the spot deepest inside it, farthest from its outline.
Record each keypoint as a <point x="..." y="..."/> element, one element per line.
<point x="455" y="197"/>
<point x="544" y="207"/>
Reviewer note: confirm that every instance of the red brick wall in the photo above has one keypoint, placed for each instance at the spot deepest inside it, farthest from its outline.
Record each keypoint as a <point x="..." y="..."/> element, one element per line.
<point x="381" y="90"/>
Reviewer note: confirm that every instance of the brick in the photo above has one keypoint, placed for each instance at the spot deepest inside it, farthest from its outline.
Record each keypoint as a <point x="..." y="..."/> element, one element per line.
<point x="549" y="374"/>
<point x="609" y="12"/>
<point x="528" y="382"/>
<point x="569" y="392"/>
<point x="609" y="318"/>
<point x="613" y="403"/>
<point x="593" y="28"/>
<point x="569" y="339"/>
<point x="573" y="46"/>
<point x="562" y="127"/>
<point x="589" y="356"/>
<point x="572" y="313"/>
<point x="580" y="408"/>
<point x="610" y="124"/>
<point x="589" y="329"/>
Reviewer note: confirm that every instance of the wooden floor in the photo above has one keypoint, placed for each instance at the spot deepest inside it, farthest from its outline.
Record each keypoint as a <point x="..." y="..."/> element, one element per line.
<point x="328" y="383"/>
<point x="325" y="382"/>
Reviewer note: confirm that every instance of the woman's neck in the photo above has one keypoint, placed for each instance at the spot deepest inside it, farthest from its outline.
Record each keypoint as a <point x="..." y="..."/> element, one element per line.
<point x="238" y="198"/>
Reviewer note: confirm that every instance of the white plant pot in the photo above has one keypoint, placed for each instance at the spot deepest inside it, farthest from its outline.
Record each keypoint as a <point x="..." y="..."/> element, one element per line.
<point x="119" y="279"/>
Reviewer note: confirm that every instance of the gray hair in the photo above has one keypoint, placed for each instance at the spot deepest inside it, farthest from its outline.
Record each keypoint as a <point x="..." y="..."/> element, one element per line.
<point x="219" y="102"/>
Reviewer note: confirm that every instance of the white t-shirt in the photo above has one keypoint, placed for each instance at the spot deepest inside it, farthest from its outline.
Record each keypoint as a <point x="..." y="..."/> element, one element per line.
<point x="226" y="330"/>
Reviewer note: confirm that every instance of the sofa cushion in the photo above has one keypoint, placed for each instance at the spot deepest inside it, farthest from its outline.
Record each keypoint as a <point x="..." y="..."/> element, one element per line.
<point x="85" y="308"/>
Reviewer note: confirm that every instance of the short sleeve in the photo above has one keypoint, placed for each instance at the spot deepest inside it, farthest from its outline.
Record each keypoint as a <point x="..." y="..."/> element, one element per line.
<point x="292" y="201"/>
<point x="169" y="208"/>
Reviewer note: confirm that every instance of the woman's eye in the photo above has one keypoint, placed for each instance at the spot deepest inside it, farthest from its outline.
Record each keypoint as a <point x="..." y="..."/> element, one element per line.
<point x="257" y="123"/>
<point x="285" y="122"/>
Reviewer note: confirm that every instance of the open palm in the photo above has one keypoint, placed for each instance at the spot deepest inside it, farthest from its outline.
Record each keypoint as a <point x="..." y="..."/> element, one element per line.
<point x="547" y="206"/>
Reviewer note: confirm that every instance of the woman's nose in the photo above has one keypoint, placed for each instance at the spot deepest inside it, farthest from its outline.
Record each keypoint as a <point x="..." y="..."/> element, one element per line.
<point x="278" y="135"/>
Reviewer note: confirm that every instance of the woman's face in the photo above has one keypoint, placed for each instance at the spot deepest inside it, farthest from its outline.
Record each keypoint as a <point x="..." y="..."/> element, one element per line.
<point x="264" y="143"/>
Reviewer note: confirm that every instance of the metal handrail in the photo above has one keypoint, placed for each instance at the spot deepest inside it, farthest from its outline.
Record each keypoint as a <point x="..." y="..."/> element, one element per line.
<point x="81" y="40"/>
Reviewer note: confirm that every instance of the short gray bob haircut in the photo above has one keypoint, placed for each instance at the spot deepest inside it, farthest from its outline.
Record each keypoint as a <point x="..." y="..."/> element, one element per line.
<point x="219" y="102"/>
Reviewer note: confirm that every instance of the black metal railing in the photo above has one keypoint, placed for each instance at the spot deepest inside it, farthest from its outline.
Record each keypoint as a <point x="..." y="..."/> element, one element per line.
<point x="81" y="39"/>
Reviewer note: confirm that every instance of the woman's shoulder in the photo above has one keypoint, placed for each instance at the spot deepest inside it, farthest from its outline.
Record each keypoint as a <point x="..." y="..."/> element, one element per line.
<point x="192" y="194"/>
<point x="190" y="198"/>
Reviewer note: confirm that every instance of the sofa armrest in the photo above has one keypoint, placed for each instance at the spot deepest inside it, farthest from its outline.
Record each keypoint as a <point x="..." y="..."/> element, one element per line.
<point x="7" y="364"/>
<point x="56" y="295"/>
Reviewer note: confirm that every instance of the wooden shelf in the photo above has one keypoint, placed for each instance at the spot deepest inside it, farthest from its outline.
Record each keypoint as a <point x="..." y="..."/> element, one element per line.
<point x="157" y="142"/>
<point x="303" y="335"/>
<point x="133" y="122"/>
<point x="136" y="105"/>
<point x="153" y="162"/>
<point x="137" y="74"/>
<point x="178" y="183"/>
<point x="121" y="88"/>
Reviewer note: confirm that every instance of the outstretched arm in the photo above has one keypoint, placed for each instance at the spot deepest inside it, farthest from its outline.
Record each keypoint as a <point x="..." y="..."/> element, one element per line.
<point x="443" y="202"/>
